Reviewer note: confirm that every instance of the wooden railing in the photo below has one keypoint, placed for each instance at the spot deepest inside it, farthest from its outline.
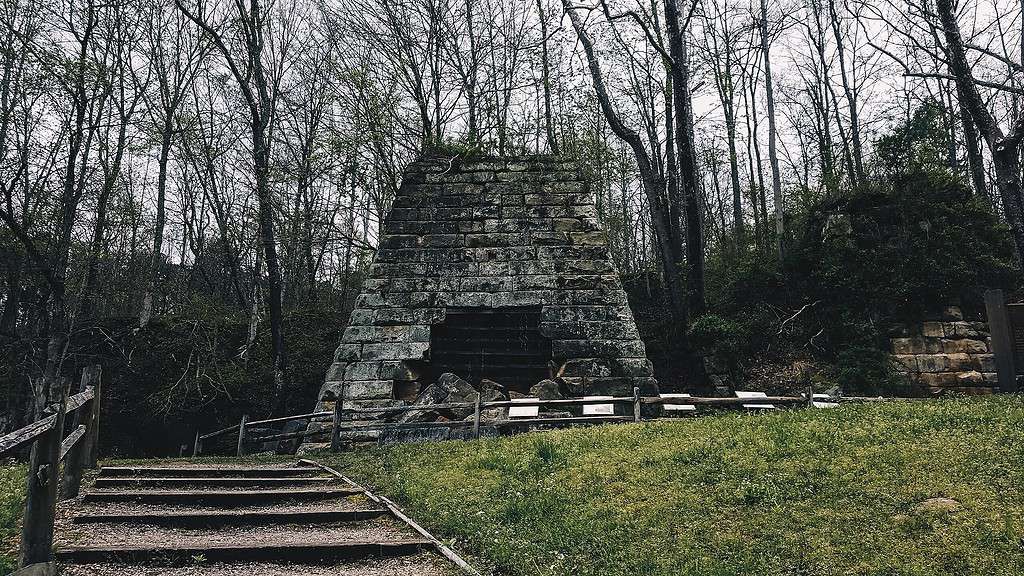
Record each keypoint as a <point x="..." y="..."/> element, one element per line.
<point x="50" y="447"/>
<point x="343" y="419"/>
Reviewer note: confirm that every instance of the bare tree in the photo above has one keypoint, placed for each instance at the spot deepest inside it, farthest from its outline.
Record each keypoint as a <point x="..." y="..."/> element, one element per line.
<point x="256" y="62"/>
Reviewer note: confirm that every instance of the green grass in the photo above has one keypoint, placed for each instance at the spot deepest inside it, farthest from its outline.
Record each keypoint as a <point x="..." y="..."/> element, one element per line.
<point x="804" y="492"/>
<point x="12" y="499"/>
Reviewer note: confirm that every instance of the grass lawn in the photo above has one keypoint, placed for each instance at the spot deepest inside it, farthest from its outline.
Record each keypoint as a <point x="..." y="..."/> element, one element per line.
<point x="12" y="499"/>
<point x="803" y="492"/>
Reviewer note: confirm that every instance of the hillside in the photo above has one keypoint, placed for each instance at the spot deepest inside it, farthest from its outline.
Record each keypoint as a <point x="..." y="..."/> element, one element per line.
<point x="917" y="488"/>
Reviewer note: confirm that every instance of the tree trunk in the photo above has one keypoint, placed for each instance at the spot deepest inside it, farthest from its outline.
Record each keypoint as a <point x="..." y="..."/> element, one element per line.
<point x="693" y="205"/>
<point x="652" y="185"/>
<point x="166" y="133"/>
<point x="261" y="160"/>
<point x="773" y="154"/>
<point x="975" y="161"/>
<point x="549" y="122"/>
<point x="1005" y="149"/>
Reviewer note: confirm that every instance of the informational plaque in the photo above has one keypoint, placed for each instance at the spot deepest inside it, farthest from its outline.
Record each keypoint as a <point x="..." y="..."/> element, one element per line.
<point x="747" y="394"/>
<point x="523" y="411"/>
<point x="672" y="407"/>
<point x="598" y="409"/>
<point x="1016" y="315"/>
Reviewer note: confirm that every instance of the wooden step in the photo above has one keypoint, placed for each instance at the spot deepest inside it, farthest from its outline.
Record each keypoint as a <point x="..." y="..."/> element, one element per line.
<point x="207" y="472"/>
<point x="312" y="552"/>
<point x="229" y="518"/>
<point x="252" y="481"/>
<point x="218" y="497"/>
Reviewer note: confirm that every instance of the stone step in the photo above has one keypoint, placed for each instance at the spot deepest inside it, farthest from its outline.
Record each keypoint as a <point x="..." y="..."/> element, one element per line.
<point x="212" y="482"/>
<point x="308" y="552"/>
<point x="229" y="518"/>
<point x="218" y="497"/>
<point x="207" y="471"/>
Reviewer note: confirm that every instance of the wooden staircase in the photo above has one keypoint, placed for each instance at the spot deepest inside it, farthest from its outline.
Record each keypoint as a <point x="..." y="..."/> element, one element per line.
<point x="228" y="520"/>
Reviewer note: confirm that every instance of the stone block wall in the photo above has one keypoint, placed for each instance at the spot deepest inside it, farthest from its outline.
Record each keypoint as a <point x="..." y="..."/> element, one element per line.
<point x="490" y="234"/>
<point x="947" y="355"/>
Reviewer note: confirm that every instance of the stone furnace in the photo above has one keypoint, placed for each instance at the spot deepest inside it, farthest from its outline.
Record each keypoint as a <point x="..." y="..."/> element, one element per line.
<point x="490" y="268"/>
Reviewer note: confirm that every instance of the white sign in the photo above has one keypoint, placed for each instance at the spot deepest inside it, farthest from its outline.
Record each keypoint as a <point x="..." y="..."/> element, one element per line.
<point x="744" y="394"/>
<point x="677" y="407"/>
<point x="523" y="411"/>
<point x="823" y="401"/>
<point x="598" y="409"/>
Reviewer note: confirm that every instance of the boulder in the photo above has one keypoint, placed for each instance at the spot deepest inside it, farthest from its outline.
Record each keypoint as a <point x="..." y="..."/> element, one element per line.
<point x="289" y="446"/>
<point x="491" y="391"/>
<point x="449" y="389"/>
<point x="493" y="414"/>
<point x="547" y="390"/>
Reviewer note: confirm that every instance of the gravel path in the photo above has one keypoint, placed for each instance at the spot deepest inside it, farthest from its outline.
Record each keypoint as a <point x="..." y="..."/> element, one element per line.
<point x="419" y="565"/>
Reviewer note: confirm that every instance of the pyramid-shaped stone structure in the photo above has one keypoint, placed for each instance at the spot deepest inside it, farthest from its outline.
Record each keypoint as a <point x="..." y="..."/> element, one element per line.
<point x="490" y="268"/>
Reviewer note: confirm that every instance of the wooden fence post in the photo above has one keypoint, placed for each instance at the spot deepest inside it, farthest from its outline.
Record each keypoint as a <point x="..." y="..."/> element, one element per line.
<point x="1002" y="339"/>
<point x="241" y="434"/>
<point x="81" y="452"/>
<point x="476" y="417"/>
<point x="41" y="498"/>
<point x="336" y="426"/>
<point x="198" y="446"/>
<point x="92" y="440"/>
<point x="339" y="406"/>
<point x="636" y="404"/>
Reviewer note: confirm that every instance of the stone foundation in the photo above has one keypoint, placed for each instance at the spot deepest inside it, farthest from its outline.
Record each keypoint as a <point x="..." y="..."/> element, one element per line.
<point x="948" y="355"/>
<point x="516" y="236"/>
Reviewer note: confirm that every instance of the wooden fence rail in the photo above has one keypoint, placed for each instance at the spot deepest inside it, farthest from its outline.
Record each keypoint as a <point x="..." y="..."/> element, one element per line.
<point x="343" y="419"/>
<point x="49" y="448"/>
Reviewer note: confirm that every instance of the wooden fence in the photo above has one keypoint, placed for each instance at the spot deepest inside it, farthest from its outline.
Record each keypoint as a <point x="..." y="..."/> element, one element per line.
<point x="342" y="419"/>
<point x="50" y="447"/>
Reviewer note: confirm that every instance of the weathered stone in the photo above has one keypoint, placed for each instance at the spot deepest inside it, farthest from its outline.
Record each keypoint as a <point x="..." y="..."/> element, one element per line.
<point x="449" y="389"/>
<point x="493" y="414"/>
<point x="932" y="330"/>
<point x="368" y="389"/>
<point x="362" y="371"/>
<point x="971" y="378"/>
<point x="958" y="362"/>
<point x="932" y="362"/>
<point x="984" y="362"/>
<point x="632" y="367"/>
<point x="491" y="391"/>
<point x="547" y="390"/>
<point x="938" y="380"/>
<point x="347" y="352"/>
<point x="905" y="362"/>
<point x="906" y="346"/>
<point x="612" y="386"/>
<point x="964" y="345"/>
<point x="961" y="329"/>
